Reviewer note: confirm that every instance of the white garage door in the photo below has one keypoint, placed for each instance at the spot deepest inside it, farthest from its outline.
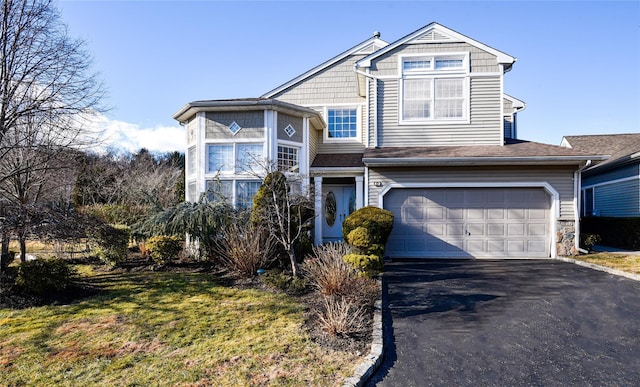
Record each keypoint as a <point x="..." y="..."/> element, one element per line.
<point x="469" y="222"/>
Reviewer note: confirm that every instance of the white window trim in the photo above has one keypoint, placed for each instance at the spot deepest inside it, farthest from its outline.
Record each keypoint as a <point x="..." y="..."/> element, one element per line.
<point x="433" y="74"/>
<point x="291" y="145"/>
<point x="357" y="138"/>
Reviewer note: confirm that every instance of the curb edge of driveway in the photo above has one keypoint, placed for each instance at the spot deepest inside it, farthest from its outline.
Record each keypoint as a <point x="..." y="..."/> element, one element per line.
<point x="372" y="361"/>
<point x="609" y="270"/>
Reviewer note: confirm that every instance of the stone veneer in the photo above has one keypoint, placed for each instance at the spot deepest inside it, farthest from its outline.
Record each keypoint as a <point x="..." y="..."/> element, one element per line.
<point x="565" y="238"/>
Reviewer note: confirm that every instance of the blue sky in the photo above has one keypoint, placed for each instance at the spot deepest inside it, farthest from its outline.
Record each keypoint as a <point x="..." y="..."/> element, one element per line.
<point x="578" y="66"/>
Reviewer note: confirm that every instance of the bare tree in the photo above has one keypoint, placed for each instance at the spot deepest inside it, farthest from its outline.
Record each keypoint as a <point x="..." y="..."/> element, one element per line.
<point x="285" y="211"/>
<point x="48" y="94"/>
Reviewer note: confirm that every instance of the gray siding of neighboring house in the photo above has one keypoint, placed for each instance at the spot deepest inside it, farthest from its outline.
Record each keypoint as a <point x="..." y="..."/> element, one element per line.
<point x="508" y="127"/>
<point x="217" y="125"/>
<point x="485" y="127"/>
<point x="285" y="120"/>
<point x="615" y="174"/>
<point x="560" y="178"/>
<point x="620" y="199"/>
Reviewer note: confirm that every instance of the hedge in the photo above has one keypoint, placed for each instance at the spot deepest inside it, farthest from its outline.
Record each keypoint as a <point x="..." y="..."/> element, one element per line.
<point x="623" y="233"/>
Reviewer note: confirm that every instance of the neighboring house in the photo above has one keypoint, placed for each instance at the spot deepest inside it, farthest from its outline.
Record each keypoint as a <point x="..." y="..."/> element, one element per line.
<point x="611" y="187"/>
<point x="421" y="127"/>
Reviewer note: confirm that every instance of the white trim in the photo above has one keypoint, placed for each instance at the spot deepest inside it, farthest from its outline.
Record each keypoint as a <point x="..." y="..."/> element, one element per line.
<point x="554" y="195"/>
<point x="317" y="232"/>
<point x="502" y="106"/>
<point x="366" y="186"/>
<point x="432" y="57"/>
<point x="610" y="182"/>
<point x="367" y="125"/>
<point x="376" y="142"/>
<point x="501" y="57"/>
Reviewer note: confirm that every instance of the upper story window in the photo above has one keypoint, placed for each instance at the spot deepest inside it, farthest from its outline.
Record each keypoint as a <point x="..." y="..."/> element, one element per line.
<point x="342" y="123"/>
<point x="434" y="88"/>
<point x="288" y="159"/>
<point x="230" y="158"/>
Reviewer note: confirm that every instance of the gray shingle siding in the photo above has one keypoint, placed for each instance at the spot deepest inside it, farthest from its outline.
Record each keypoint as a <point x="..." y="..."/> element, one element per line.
<point x="217" y="125"/>
<point x="336" y="84"/>
<point x="285" y="120"/>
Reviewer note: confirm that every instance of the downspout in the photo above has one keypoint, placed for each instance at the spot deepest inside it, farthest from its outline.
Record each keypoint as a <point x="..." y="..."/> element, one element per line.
<point x="375" y="104"/>
<point x="577" y="175"/>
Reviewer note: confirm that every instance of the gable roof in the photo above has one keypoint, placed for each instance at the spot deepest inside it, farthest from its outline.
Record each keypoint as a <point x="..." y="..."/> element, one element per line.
<point x="514" y="152"/>
<point x="370" y="45"/>
<point x="622" y="147"/>
<point x="434" y="32"/>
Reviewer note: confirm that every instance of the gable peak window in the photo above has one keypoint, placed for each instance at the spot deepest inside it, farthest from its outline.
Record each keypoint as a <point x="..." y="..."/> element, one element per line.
<point x="434" y="88"/>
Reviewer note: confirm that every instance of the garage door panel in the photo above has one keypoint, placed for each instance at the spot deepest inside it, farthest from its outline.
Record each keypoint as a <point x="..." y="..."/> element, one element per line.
<point x="463" y="222"/>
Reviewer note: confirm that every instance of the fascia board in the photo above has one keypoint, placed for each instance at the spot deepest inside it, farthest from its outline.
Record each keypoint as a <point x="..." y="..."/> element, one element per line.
<point x="501" y="56"/>
<point x="465" y="161"/>
<point x="192" y="108"/>
<point x="324" y="65"/>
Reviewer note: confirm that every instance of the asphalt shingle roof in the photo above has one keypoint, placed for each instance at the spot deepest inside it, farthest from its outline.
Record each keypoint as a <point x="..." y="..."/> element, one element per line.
<point x="618" y="146"/>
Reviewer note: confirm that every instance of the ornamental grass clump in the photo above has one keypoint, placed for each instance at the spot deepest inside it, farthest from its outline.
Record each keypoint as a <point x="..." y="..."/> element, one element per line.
<point x="244" y="247"/>
<point x="327" y="271"/>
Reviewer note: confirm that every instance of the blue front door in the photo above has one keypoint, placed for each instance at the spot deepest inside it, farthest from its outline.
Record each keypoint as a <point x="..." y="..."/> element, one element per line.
<point x="338" y="202"/>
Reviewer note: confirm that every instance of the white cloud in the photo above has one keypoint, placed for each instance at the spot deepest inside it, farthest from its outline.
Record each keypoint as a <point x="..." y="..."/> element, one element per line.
<point x="132" y="137"/>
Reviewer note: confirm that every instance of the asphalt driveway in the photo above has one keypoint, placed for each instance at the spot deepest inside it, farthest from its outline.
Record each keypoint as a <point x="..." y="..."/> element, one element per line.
<point x="508" y="322"/>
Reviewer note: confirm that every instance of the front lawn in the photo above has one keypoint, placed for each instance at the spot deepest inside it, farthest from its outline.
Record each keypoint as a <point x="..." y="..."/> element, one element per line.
<point x="165" y="328"/>
<point x="625" y="262"/>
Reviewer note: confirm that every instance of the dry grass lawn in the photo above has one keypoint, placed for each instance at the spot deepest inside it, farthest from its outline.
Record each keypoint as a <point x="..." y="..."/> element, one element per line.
<point x="170" y="329"/>
<point x="625" y="262"/>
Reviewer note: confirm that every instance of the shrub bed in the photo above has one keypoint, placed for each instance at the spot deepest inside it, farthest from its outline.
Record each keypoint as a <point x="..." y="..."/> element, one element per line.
<point x="163" y="249"/>
<point x="44" y="275"/>
<point x="616" y="232"/>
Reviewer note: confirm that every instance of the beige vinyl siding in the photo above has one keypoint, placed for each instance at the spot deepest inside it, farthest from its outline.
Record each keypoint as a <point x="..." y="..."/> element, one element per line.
<point x="484" y="128"/>
<point x="313" y="144"/>
<point x="481" y="61"/>
<point x="335" y="85"/>
<point x="217" y="125"/>
<point x="285" y="120"/>
<point x="560" y="178"/>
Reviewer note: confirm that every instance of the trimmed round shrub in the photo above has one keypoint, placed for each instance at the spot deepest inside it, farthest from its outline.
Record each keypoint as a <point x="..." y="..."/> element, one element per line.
<point x="368" y="229"/>
<point x="368" y="264"/>
<point x="44" y="275"/>
<point x="359" y="237"/>
<point x="164" y="249"/>
<point x="111" y="242"/>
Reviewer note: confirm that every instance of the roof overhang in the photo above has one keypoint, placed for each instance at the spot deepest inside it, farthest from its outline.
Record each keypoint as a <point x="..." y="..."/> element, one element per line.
<point x="336" y="171"/>
<point x="502" y="58"/>
<point x="477" y="161"/>
<point x="248" y="104"/>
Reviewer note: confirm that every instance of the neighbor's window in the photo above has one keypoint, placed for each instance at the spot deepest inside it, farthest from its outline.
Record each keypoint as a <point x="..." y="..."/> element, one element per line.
<point x="434" y="88"/>
<point x="342" y="123"/>
<point x="288" y="159"/>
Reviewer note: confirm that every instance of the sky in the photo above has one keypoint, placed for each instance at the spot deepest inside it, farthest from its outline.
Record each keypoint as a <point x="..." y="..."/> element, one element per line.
<point x="577" y="69"/>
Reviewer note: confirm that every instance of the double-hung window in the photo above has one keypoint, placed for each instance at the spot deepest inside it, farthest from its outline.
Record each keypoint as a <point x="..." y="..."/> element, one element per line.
<point x="249" y="158"/>
<point x="434" y="88"/>
<point x="220" y="158"/>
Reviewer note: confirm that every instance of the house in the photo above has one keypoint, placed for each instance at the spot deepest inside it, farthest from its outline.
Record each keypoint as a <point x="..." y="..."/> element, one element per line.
<point x="610" y="188"/>
<point x="421" y="127"/>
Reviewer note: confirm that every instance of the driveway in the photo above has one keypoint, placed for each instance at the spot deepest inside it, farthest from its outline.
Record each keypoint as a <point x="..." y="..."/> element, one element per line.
<point x="508" y="323"/>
